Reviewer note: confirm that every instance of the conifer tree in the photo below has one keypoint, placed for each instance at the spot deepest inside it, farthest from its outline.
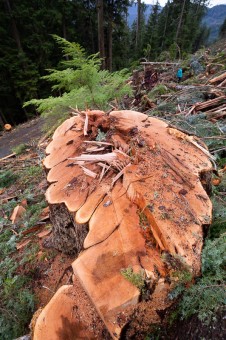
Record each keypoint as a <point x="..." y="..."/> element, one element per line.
<point x="223" y="30"/>
<point x="151" y="35"/>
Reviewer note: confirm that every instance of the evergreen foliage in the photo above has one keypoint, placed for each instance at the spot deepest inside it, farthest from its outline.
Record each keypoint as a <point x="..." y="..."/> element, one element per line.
<point x="151" y="35"/>
<point x="27" y="48"/>
<point x="81" y="83"/>
<point x="135" y="278"/>
<point x="177" y="28"/>
<point x="223" y="30"/>
<point x="208" y="294"/>
<point x="17" y="301"/>
<point x="6" y="178"/>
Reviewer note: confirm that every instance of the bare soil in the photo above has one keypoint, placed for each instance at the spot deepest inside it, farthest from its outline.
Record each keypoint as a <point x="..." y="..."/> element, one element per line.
<point x="26" y="133"/>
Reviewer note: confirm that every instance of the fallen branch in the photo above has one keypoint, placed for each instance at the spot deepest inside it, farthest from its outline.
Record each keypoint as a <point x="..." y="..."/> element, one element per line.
<point x="9" y="156"/>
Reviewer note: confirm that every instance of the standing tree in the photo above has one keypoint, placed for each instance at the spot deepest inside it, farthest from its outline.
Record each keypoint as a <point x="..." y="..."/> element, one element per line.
<point x="138" y="28"/>
<point x="180" y="20"/>
<point x="151" y="36"/>
<point x="180" y="25"/>
<point x="223" y="30"/>
<point x="100" y="12"/>
<point x="111" y="19"/>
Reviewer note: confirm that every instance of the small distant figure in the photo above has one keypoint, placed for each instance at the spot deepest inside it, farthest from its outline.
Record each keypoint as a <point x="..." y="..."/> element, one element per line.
<point x="179" y="74"/>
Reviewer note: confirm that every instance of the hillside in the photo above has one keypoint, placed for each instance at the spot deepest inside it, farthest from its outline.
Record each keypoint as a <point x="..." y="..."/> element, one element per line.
<point x="132" y="13"/>
<point x="214" y="18"/>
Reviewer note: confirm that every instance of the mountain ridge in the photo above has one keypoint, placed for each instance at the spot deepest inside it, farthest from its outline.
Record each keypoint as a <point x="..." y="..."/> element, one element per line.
<point x="213" y="19"/>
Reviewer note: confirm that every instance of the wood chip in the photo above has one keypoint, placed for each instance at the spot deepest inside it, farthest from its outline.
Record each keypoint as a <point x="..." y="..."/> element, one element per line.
<point x="17" y="213"/>
<point x="85" y="131"/>
<point x="31" y="230"/>
<point x="22" y="244"/>
<point x="89" y="172"/>
<point x="108" y="157"/>
<point x="44" y="233"/>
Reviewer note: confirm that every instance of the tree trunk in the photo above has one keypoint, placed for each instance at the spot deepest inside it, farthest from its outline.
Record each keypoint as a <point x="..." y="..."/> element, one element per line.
<point x="138" y="24"/>
<point x="15" y="31"/>
<point x="2" y="119"/>
<point x="64" y="29"/>
<point x="180" y="21"/>
<point x="165" y="25"/>
<point x="100" y="12"/>
<point x="110" y="44"/>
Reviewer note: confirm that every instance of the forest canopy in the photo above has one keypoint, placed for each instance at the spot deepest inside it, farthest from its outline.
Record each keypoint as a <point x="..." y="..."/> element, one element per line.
<point x="28" y="48"/>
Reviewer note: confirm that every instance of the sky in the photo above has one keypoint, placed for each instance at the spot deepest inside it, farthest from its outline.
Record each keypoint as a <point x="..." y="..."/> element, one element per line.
<point x="163" y="2"/>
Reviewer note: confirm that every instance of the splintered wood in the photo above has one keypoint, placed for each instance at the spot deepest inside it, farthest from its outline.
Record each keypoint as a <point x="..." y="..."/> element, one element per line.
<point x="140" y="193"/>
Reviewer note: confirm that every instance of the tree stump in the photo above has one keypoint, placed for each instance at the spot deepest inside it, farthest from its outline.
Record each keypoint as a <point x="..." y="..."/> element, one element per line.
<point x="126" y="194"/>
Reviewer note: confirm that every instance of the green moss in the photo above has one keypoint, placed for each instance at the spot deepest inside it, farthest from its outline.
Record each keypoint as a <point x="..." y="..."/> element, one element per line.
<point x="136" y="279"/>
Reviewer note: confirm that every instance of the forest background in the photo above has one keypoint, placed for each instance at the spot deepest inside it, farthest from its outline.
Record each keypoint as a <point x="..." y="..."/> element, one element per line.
<point x="28" y="48"/>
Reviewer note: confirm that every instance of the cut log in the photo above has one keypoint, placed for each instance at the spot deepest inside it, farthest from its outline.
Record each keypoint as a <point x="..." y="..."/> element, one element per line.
<point x="210" y="103"/>
<point x="147" y="199"/>
<point x="8" y="127"/>
<point x="222" y="83"/>
<point x="218" y="79"/>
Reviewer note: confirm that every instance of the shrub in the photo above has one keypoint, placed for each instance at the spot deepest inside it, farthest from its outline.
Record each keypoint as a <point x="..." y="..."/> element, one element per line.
<point x="19" y="149"/>
<point x="81" y="83"/>
<point x="16" y="306"/>
<point x="136" y="279"/>
<point x="7" y="178"/>
<point x="208" y="294"/>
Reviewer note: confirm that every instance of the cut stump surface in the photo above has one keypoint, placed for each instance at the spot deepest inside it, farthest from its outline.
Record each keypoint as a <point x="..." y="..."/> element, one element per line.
<point x="137" y="195"/>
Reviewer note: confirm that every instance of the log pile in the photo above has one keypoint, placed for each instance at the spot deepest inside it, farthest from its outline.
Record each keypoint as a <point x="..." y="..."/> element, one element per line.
<point x="214" y="109"/>
<point x="126" y="197"/>
<point x="219" y="80"/>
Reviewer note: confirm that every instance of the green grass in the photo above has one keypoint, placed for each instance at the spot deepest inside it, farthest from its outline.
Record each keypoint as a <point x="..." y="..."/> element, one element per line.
<point x="19" y="149"/>
<point x="7" y="178"/>
<point x="32" y="171"/>
<point x="17" y="301"/>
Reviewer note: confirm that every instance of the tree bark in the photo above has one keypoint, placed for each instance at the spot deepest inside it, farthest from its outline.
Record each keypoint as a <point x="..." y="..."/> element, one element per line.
<point x="67" y="235"/>
<point x="2" y="119"/>
<point x="110" y="42"/>
<point x="138" y="23"/>
<point x="165" y="26"/>
<point x="100" y="12"/>
<point x="180" y="21"/>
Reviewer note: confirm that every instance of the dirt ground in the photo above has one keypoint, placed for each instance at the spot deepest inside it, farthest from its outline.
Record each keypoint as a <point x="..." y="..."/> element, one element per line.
<point x="26" y="133"/>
